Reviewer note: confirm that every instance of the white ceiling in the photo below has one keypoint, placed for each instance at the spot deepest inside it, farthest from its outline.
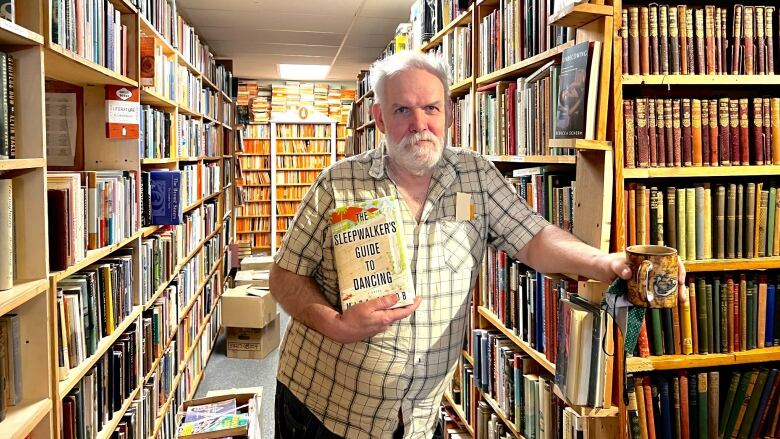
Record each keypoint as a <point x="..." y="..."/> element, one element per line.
<point x="257" y="35"/>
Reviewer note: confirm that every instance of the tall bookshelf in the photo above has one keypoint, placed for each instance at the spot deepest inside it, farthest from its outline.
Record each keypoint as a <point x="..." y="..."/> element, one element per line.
<point x="44" y="64"/>
<point x="589" y="162"/>
<point x="253" y="220"/>
<point x="640" y="169"/>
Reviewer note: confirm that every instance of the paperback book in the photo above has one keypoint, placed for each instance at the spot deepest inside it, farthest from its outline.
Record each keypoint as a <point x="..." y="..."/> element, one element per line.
<point x="371" y="260"/>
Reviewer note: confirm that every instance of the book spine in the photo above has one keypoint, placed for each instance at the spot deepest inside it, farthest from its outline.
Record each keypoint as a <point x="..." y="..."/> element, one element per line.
<point x="634" y="39"/>
<point x="731" y="221"/>
<point x="676" y="133"/>
<point x="734" y="131"/>
<point x="669" y="130"/>
<point x="775" y="109"/>
<point x="696" y="132"/>
<point x="624" y="41"/>
<point x="687" y="135"/>
<point x="661" y="132"/>
<point x="714" y="133"/>
<point x="642" y="135"/>
<point x="663" y="38"/>
<point x="723" y="132"/>
<point x="718" y="42"/>
<point x="674" y="41"/>
<point x="691" y="41"/>
<point x="769" y="12"/>
<point x="709" y="36"/>
<point x="767" y="113"/>
<point x="629" y="160"/>
<point x="653" y="31"/>
<point x="7" y="236"/>
<point x="720" y="222"/>
<point x="747" y="40"/>
<point x="701" y="55"/>
<point x="652" y="132"/>
<point x="684" y="47"/>
<point x="736" y="42"/>
<point x="705" y="132"/>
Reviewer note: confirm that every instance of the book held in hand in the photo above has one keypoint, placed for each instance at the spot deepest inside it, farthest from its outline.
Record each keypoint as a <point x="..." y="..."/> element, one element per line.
<point x="368" y="243"/>
<point x="578" y="90"/>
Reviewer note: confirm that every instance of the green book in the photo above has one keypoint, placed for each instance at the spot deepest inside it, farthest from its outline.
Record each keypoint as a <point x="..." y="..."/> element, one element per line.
<point x="701" y="396"/>
<point x="701" y="316"/>
<point x="755" y="398"/>
<point x="739" y="398"/>
<point x="729" y="404"/>
<point x="715" y="316"/>
<point x="690" y="226"/>
<point x="770" y="222"/>
<point x="655" y="329"/>
<point x="682" y="236"/>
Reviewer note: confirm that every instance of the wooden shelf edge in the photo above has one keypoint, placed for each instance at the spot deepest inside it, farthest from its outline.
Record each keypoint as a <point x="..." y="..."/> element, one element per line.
<point x="458" y="411"/>
<point x="671" y="362"/>
<point x="368" y="124"/>
<point x="108" y="76"/>
<point x="524" y="66"/>
<point x="500" y="412"/>
<point x="461" y="86"/>
<point x="21" y="293"/>
<point x="160" y="161"/>
<point x="463" y="18"/>
<point x="151" y="97"/>
<point x="20" y="420"/>
<point x="732" y="264"/>
<point x="12" y="33"/>
<point x="13" y="164"/>
<point x="109" y="428"/>
<point x="593" y="145"/>
<point x="94" y="256"/>
<point x="700" y="171"/>
<point x="705" y="80"/>
<point x="536" y="355"/>
<point x="77" y="373"/>
<point x="578" y="15"/>
<point x="541" y="159"/>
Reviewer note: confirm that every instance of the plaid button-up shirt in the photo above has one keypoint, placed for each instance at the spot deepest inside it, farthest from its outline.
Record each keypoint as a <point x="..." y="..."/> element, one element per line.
<point x="357" y="389"/>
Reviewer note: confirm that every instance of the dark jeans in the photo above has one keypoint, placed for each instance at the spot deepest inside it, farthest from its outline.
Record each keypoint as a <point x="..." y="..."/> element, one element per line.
<point x="294" y="420"/>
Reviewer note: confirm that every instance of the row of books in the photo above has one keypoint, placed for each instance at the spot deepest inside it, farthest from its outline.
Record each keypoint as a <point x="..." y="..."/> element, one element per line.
<point x="251" y="177"/>
<point x="296" y="177"/>
<point x="722" y="221"/>
<point x="91" y="304"/>
<point x="192" y="229"/>
<point x="89" y="210"/>
<point x="161" y="15"/>
<point x="90" y="405"/>
<point x="10" y="363"/>
<point x="157" y="70"/>
<point x="303" y="146"/>
<point x="700" y="132"/>
<point x="308" y="161"/>
<point x="459" y="134"/>
<point x="256" y="131"/>
<point x="256" y="146"/>
<point x="362" y="114"/>
<point x="7" y="106"/>
<point x="156" y="133"/>
<point x="161" y="200"/>
<point x="159" y="256"/>
<point x="95" y="31"/>
<point x="254" y="208"/>
<point x="518" y="30"/>
<point x="548" y="190"/>
<point x="286" y="207"/>
<point x="190" y="87"/>
<point x="682" y="39"/>
<point x="210" y="101"/>
<point x="255" y="162"/>
<point x="455" y="49"/>
<point x="725" y="313"/>
<point x="735" y="402"/>
<point x="254" y="239"/>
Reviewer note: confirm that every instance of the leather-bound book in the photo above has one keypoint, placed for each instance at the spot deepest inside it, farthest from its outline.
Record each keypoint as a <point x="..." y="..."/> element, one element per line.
<point x="734" y="132"/>
<point x="674" y="42"/>
<point x="639" y="393"/>
<point x="690" y="35"/>
<point x="730" y="312"/>
<point x="652" y="128"/>
<point x="769" y="32"/>
<point x="705" y="132"/>
<point x="676" y="133"/>
<point x="684" y="405"/>
<point x="642" y="134"/>
<point x="625" y="42"/>
<point x="663" y="38"/>
<point x="724" y="41"/>
<point x="701" y="57"/>
<point x="699" y="214"/>
<point x="714" y="133"/>
<point x="750" y="219"/>
<point x="709" y="38"/>
<point x="731" y="221"/>
<point x="767" y="113"/>
<point x="659" y="195"/>
<point x="716" y="36"/>
<point x="655" y="67"/>
<point x="775" y="138"/>
<point x="629" y="127"/>
<point x="707" y="221"/>
<point x="669" y="129"/>
<point x="642" y="206"/>
<point x="736" y="41"/>
<point x="683" y="29"/>
<point x="671" y="217"/>
<point x="713" y="402"/>
<point x="744" y="132"/>
<point x="676" y="407"/>
<point x="687" y="136"/>
<point x="723" y="132"/>
<point x="661" y="131"/>
<point x="633" y="39"/>
<point x="747" y="39"/>
<point x="653" y="228"/>
<point x="760" y="43"/>
<point x="740" y="232"/>
<point x="720" y="222"/>
<point x="682" y="225"/>
<point x="644" y="40"/>
<point x="696" y="133"/>
<point x="758" y="131"/>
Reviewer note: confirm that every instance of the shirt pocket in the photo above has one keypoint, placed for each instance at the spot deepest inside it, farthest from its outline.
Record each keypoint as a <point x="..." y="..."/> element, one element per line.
<point x="459" y="239"/>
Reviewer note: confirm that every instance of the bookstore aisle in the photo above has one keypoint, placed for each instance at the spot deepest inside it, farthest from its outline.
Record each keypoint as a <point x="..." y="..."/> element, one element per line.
<point x="227" y="373"/>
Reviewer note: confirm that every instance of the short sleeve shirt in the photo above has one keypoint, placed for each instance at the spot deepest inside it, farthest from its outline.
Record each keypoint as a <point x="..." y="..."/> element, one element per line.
<point x="357" y="389"/>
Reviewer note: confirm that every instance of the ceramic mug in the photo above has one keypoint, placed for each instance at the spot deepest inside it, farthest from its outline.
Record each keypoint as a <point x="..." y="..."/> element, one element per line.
<point x="654" y="271"/>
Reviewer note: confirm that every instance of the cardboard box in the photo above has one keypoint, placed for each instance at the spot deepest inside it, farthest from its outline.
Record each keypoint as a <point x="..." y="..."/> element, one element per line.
<point x="251" y="397"/>
<point x="255" y="343"/>
<point x="257" y="263"/>
<point x="248" y="306"/>
<point x="258" y="278"/>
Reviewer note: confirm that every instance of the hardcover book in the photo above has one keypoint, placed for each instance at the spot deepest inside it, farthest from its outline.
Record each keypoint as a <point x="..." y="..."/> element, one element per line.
<point x="577" y="91"/>
<point x="164" y="197"/>
<point x="371" y="260"/>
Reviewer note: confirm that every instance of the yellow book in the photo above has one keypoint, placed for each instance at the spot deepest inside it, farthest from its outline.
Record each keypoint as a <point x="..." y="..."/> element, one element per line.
<point x="687" y="335"/>
<point x="105" y="270"/>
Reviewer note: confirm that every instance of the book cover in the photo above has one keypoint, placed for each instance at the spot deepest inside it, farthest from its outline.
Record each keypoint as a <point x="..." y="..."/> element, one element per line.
<point x="164" y="197"/>
<point x="123" y="112"/>
<point x="577" y="91"/>
<point x="370" y="253"/>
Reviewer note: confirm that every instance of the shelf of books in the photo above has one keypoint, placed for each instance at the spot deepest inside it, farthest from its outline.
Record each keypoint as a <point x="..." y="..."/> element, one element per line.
<point x="98" y="268"/>
<point x="696" y="153"/>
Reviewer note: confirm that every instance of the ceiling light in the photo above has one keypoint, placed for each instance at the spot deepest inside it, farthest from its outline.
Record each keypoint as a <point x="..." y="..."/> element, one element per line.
<point x="311" y="72"/>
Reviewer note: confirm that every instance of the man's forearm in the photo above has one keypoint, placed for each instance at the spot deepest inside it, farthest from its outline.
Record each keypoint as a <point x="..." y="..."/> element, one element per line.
<point x="553" y="250"/>
<point x="301" y="297"/>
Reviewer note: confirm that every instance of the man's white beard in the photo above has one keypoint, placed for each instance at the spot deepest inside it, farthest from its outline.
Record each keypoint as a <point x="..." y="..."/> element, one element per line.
<point x="414" y="158"/>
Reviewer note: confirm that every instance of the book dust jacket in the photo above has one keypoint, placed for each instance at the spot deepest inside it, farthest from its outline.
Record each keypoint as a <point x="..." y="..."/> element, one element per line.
<point x="371" y="260"/>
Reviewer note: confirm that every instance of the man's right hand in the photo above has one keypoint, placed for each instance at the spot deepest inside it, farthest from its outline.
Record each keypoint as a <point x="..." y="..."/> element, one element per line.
<point x="367" y="319"/>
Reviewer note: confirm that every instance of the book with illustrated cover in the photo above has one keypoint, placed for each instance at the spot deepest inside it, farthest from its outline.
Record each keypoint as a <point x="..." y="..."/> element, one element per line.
<point x="577" y="91"/>
<point x="371" y="260"/>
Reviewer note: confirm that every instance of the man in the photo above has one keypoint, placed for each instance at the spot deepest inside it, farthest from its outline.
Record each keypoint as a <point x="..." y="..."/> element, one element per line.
<point x="372" y="371"/>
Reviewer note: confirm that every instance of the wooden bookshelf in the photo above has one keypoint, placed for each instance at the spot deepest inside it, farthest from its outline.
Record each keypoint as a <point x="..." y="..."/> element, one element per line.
<point x="20" y="164"/>
<point x="458" y="411"/>
<point x="462" y="87"/>
<point x="525" y="66"/>
<point x="109" y="428"/>
<point x="66" y="66"/>
<point x="533" y="353"/>
<point x="703" y="80"/>
<point x="581" y="144"/>
<point x="21" y="293"/>
<point x="151" y="97"/>
<point x="580" y="14"/>
<point x="14" y="34"/>
<point x="462" y="19"/>
<point x="94" y="256"/>
<point x="20" y="420"/>
<point x="497" y="409"/>
<point x="732" y="264"/>
<point x="673" y="362"/>
<point x="537" y="159"/>
<point x="701" y="172"/>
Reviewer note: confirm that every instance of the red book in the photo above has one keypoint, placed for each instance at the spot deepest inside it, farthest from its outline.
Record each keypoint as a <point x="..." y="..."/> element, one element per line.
<point x="669" y="128"/>
<point x="646" y="385"/>
<point x="758" y="131"/>
<point x="744" y="132"/>
<point x="684" y="416"/>
<point x="734" y="132"/>
<point x="629" y="136"/>
<point x="687" y="133"/>
<point x="660" y="131"/>
<point x="652" y="129"/>
<point x="737" y="326"/>
<point x="643" y="343"/>
<point x="714" y="131"/>
<point x="642" y="134"/>
<point x="723" y="132"/>
<point x="676" y="133"/>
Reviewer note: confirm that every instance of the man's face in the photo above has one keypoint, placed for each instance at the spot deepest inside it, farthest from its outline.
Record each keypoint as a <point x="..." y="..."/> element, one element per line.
<point x="412" y="116"/>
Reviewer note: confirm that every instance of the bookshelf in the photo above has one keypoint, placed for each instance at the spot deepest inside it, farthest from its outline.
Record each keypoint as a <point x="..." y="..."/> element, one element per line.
<point x="715" y="85"/>
<point x="44" y="62"/>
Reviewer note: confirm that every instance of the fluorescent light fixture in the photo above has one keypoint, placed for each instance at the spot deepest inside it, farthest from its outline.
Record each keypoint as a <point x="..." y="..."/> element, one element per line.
<point x="310" y="72"/>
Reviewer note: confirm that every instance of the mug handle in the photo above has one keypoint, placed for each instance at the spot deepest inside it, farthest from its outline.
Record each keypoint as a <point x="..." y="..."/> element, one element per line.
<point x="644" y="272"/>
